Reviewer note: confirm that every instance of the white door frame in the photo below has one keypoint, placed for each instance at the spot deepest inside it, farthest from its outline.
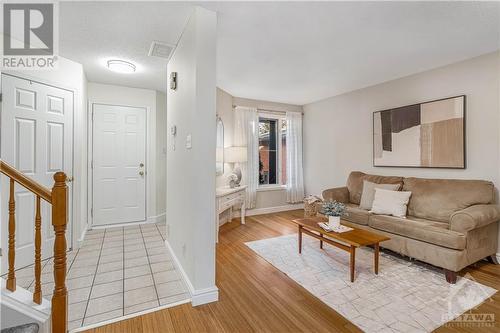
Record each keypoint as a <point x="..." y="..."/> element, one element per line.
<point x="90" y="173"/>
<point x="72" y="239"/>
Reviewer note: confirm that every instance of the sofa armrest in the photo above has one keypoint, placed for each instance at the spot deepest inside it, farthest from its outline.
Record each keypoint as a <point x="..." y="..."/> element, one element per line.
<point x="340" y="194"/>
<point x="474" y="217"/>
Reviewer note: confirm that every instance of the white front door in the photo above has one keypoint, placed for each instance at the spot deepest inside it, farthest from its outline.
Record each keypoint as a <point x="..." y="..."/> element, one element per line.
<point x="36" y="139"/>
<point x="119" y="164"/>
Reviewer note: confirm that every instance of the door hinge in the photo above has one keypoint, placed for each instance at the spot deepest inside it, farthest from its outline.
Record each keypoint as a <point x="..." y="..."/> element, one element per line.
<point x="91" y="212"/>
<point x="92" y="164"/>
<point x="1" y="97"/>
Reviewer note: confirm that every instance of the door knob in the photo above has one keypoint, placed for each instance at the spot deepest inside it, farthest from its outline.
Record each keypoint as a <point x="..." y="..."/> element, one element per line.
<point x="141" y="173"/>
<point x="141" y="165"/>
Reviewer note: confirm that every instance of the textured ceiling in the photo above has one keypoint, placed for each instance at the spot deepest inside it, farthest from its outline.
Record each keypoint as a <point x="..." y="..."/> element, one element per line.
<point x="92" y="32"/>
<point x="292" y="52"/>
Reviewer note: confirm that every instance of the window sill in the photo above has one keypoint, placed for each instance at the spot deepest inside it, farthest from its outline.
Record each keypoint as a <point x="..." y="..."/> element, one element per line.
<point x="266" y="188"/>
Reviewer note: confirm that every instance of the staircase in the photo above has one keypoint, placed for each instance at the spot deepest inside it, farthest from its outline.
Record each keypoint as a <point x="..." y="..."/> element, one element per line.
<point x="18" y="309"/>
<point x="53" y="316"/>
<point x="26" y="328"/>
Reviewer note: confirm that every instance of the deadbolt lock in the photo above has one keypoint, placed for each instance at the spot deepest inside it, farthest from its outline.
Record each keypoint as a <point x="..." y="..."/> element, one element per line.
<point x="141" y="173"/>
<point x="141" y="165"/>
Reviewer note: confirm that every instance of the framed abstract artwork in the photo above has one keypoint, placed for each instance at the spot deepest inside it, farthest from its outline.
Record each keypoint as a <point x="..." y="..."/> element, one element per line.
<point x="424" y="135"/>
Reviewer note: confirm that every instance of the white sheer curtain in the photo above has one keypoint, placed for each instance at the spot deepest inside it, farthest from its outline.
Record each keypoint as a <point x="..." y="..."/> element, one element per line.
<point x="246" y="123"/>
<point x="294" y="172"/>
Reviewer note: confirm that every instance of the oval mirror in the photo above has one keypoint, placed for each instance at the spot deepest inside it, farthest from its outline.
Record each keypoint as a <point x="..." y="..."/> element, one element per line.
<point x="219" y="153"/>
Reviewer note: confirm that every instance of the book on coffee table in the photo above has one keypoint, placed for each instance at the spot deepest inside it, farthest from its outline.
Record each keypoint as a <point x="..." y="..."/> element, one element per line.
<point x="340" y="228"/>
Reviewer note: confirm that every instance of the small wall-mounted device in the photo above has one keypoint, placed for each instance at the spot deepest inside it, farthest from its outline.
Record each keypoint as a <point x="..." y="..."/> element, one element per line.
<point x="173" y="80"/>
<point x="173" y="133"/>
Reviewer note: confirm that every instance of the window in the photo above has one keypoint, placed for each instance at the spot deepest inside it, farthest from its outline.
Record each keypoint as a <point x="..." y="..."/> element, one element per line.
<point x="272" y="151"/>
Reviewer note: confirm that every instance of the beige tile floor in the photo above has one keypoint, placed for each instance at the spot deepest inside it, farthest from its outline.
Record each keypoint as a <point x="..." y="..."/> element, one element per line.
<point x="116" y="272"/>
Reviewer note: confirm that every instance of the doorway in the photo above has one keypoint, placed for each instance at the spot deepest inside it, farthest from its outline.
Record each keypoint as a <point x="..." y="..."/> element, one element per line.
<point x="36" y="139"/>
<point x="118" y="164"/>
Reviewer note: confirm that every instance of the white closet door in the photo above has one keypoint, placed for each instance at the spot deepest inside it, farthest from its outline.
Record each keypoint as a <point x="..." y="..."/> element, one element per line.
<point x="119" y="164"/>
<point x="37" y="139"/>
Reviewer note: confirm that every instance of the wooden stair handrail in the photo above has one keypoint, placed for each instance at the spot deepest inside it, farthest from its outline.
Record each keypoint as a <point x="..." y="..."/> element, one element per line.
<point x="26" y="182"/>
<point x="57" y="197"/>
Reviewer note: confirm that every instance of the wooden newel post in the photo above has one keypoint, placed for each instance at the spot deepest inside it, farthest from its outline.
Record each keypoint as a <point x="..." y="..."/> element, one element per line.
<point x="11" y="277"/>
<point x="59" y="221"/>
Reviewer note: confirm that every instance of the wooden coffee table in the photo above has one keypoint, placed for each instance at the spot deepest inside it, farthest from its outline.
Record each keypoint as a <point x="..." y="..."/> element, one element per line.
<point x="347" y="241"/>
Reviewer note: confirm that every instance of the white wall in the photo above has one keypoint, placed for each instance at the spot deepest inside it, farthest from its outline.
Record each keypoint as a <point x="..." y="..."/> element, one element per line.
<point x="338" y="130"/>
<point x="161" y="152"/>
<point x="118" y="95"/>
<point x="191" y="172"/>
<point x="266" y="198"/>
<point x="70" y="75"/>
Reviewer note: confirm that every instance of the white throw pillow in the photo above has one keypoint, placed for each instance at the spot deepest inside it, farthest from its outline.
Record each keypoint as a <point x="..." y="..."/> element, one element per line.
<point x="390" y="202"/>
<point x="368" y="193"/>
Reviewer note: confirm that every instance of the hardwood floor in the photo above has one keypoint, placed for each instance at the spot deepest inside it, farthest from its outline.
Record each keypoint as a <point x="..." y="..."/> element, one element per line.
<point x="256" y="297"/>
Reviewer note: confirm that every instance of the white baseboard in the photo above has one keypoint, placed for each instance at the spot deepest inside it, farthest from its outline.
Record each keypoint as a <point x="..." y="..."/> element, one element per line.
<point x="269" y="210"/>
<point x="80" y="240"/>
<point x="204" y="296"/>
<point x="198" y="296"/>
<point x="178" y="266"/>
<point x="117" y="225"/>
<point x="152" y="219"/>
<point x="158" y="218"/>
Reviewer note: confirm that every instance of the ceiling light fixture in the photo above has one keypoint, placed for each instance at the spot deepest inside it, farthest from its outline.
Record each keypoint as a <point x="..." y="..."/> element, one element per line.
<point x="121" y="66"/>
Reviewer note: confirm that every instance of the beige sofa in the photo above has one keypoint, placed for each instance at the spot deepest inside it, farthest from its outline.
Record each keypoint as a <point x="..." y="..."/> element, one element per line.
<point x="450" y="223"/>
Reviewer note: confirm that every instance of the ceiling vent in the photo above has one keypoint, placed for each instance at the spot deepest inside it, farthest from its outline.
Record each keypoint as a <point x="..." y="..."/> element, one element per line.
<point x="161" y="50"/>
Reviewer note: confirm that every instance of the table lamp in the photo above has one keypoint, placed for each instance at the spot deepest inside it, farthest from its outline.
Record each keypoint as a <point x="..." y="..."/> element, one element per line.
<point x="236" y="155"/>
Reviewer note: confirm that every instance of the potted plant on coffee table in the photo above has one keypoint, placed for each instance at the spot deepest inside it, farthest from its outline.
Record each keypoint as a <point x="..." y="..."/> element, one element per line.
<point x="334" y="210"/>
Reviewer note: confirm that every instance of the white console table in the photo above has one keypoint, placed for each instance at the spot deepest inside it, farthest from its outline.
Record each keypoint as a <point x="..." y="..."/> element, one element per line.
<point x="227" y="198"/>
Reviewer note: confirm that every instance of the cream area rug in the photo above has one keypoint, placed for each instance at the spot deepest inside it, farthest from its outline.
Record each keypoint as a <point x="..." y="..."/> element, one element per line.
<point x="404" y="297"/>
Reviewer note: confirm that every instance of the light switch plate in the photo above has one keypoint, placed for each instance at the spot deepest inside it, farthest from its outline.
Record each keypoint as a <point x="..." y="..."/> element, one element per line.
<point x="188" y="142"/>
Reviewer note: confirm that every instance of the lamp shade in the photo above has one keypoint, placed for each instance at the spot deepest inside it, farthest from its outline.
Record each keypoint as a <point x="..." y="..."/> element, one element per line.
<point x="235" y="154"/>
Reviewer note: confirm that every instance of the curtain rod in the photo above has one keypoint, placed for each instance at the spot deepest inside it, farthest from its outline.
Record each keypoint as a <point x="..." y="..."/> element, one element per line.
<point x="271" y="111"/>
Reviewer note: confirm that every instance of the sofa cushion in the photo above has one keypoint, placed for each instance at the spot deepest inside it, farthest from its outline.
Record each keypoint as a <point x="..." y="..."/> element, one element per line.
<point x="393" y="203"/>
<point x="437" y="199"/>
<point x="355" y="183"/>
<point x="340" y="194"/>
<point x="423" y="230"/>
<point x="442" y="225"/>
<point x="356" y="214"/>
<point x="368" y="193"/>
